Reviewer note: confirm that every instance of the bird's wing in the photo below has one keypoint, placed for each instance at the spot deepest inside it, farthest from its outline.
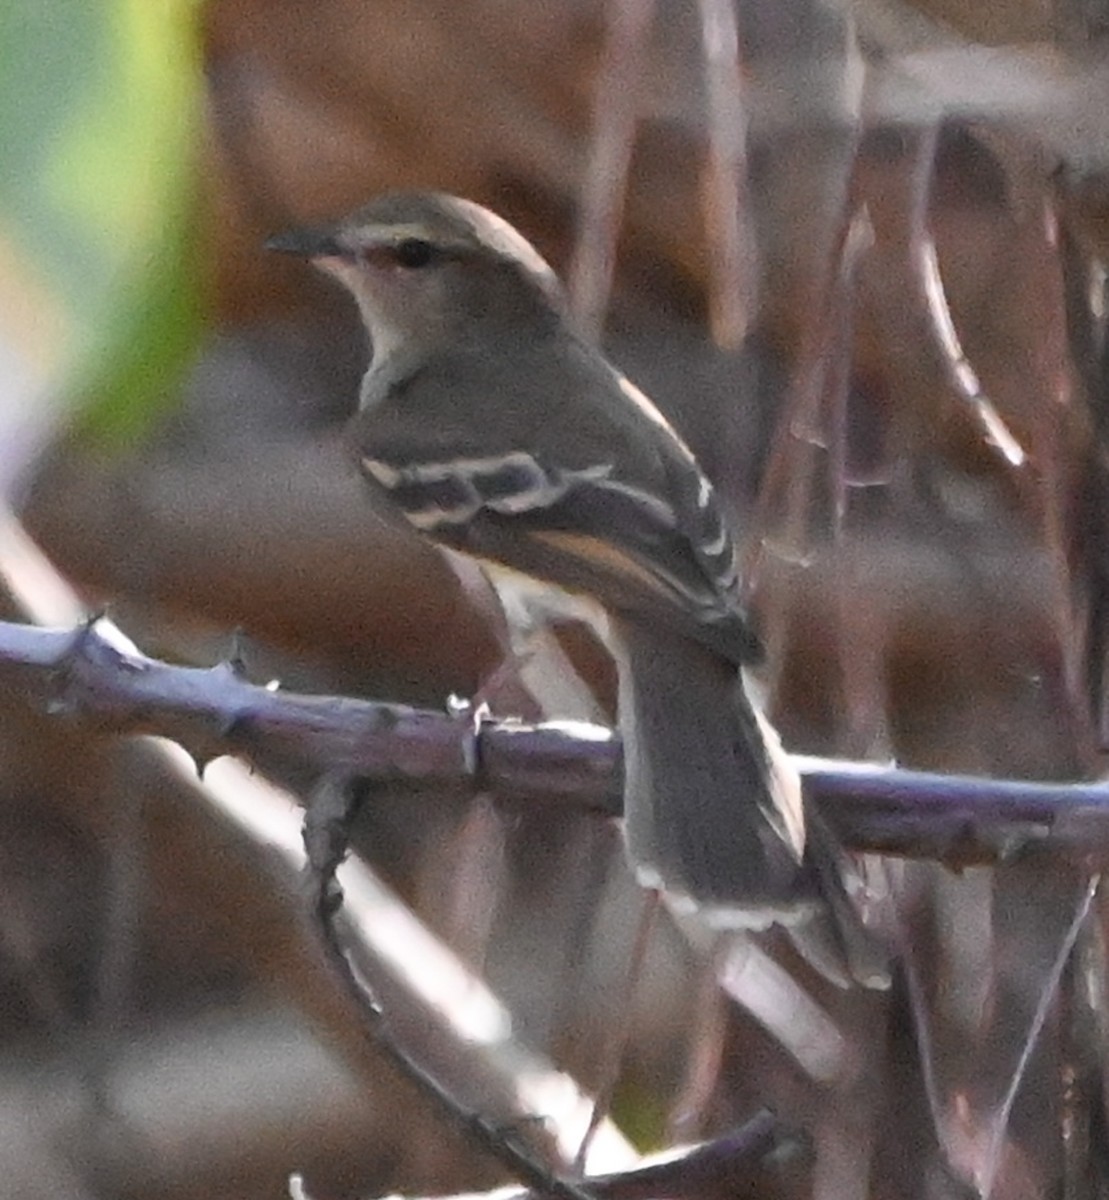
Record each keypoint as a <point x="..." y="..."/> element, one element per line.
<point x="625" y="516"/>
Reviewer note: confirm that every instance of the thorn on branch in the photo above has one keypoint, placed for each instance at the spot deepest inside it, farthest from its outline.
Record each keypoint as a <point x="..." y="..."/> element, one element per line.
<point x="326" y="839"/>
<point x="201" y="759"/>
<point x="463" y="710"/>
<point x="235" y="662"/>
<point x="79" y="649"/>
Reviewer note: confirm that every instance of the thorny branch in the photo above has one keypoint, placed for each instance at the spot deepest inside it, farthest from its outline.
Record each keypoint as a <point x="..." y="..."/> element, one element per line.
<point x="326" y="828"/>
<point x="90" y="675"/>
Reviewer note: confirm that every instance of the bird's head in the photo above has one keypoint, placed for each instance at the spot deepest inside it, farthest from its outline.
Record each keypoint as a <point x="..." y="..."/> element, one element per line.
<point x="428" y="268"/>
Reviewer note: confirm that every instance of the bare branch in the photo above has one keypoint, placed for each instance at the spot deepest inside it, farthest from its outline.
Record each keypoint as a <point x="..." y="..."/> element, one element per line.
<point x="326" y="829"/>
<point x="95" y="675"/>
<point x="736" y="1163"/>
<point x="616" y="111"/>
<point x="100" y="680"/>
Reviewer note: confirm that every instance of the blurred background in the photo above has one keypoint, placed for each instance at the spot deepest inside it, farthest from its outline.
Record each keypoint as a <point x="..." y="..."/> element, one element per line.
<point x="857" y="250"/>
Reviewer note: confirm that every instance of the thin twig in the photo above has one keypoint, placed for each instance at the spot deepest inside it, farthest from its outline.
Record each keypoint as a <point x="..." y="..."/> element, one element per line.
<point x="1048" y="992"/>
<point x="705" y="1036"/>
<point x="732" y="266"/>
<point x="616" y="1045"/>
<point x="734" y="1164"/>
<point x="326" y="828"/>
<point x="616" y="111"/>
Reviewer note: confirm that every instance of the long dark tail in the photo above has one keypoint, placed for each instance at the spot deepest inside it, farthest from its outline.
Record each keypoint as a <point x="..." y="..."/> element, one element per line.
<point x="713" y="807"/>
<point x="708" y="812"/>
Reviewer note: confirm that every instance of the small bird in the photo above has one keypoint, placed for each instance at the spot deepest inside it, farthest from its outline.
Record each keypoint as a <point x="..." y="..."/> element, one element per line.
<point x="500" y="432"/>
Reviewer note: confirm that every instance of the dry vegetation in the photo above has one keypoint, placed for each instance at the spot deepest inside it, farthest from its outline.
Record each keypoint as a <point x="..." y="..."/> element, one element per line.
<point x="881" y="325"/>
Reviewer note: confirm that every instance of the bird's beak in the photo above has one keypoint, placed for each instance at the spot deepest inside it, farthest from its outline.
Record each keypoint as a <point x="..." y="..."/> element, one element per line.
<point x="308" y="243"/>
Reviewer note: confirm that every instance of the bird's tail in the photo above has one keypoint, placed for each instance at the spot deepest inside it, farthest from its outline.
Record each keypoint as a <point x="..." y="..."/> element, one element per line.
<point x="713" y="807"/>
<point x="708" y="813"/>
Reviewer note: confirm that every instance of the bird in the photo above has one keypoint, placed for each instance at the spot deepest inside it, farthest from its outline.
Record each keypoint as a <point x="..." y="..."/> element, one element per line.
<point x="500" y="431"/>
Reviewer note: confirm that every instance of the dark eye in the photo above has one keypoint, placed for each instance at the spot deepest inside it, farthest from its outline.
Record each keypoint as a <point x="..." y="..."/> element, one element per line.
<point x="414" y="253"/>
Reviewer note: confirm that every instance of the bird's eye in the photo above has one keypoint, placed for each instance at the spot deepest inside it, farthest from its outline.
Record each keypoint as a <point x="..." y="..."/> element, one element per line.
<point x="414" y="253"/>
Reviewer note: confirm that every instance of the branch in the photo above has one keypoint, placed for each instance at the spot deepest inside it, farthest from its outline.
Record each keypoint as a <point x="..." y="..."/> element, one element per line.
<point x="92" y="675"/>
<point x="744" y="1161"/>
<point x="326" y="828"/>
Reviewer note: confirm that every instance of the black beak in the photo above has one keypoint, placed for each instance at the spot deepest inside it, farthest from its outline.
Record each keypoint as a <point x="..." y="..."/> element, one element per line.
<point x="308" y="243"/>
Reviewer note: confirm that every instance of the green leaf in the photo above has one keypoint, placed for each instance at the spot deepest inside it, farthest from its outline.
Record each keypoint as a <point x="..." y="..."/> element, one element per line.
<point x="100" y="104"/>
